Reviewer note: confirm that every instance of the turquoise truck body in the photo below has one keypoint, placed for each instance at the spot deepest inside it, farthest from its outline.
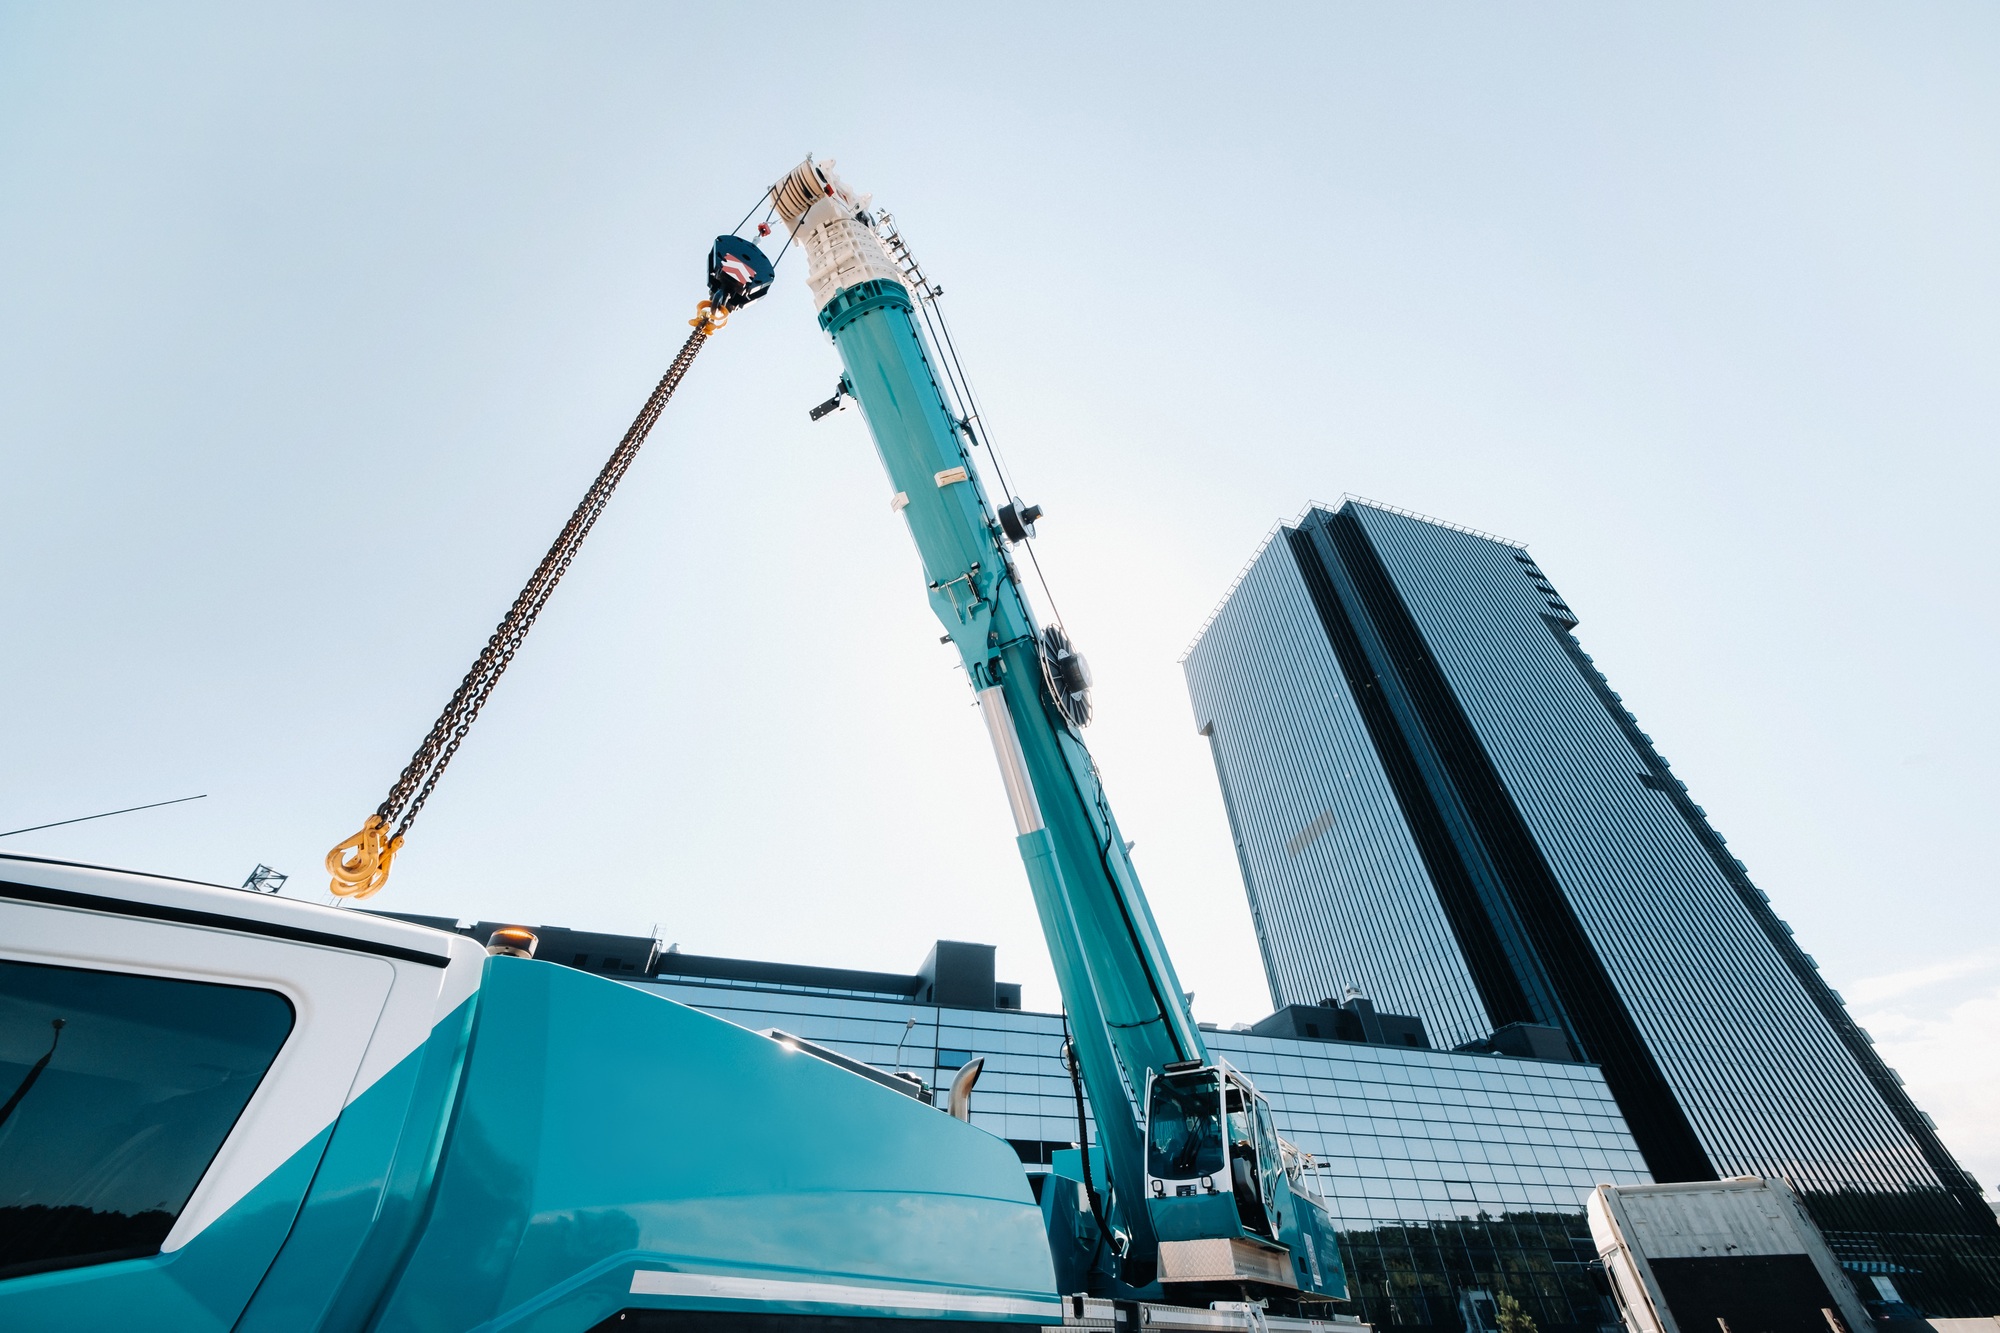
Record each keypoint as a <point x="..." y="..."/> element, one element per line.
<point x="554" y="1151"/>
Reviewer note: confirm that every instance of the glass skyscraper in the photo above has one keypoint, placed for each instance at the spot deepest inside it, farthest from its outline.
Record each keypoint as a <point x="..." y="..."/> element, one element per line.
<point x="1436" y="796"/>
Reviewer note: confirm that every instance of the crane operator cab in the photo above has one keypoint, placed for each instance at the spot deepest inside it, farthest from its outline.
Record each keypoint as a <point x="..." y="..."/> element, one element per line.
<point x="1209" y="1140"/>
<point x="1216" y="1170"/>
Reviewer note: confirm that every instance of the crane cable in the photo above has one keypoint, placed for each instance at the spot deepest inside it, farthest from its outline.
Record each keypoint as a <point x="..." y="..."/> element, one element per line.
<point x="965" y="409"/>
<point x="359" y="866"/>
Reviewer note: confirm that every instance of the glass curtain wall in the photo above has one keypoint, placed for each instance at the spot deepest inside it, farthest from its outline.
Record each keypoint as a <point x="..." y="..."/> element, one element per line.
<point x="1522" y="823"/>
<point x="1447" y="1172"/>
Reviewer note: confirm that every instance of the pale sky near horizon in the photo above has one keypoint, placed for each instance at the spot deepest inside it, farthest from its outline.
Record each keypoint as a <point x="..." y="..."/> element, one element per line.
<point x="317" y="322"/>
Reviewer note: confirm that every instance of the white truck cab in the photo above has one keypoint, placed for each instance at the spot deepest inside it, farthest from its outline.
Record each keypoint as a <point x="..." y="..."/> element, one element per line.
<point x="173" y="1057"/>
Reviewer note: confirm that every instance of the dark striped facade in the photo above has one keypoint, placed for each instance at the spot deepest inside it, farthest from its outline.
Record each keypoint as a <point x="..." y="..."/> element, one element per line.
<point x="1435" y="796"/>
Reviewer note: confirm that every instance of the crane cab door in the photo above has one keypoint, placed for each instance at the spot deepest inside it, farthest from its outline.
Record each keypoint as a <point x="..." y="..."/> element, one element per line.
<point x="1253" y="1156"/>
<point x="166" y="1091"/>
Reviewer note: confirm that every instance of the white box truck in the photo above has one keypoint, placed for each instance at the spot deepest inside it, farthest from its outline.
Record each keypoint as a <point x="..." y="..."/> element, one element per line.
<point x="1720" y="1256"/>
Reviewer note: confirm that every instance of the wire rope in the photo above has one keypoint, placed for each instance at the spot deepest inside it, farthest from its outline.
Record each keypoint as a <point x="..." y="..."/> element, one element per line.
<point x="971" y="411"/>
<point x="753" y="208"/>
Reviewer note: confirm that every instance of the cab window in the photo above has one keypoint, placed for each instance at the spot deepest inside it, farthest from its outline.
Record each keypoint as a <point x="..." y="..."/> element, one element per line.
<point x="1183" y="1130"/>
<point x="116" y="1091"/>
<point x="1270" y="1158"/>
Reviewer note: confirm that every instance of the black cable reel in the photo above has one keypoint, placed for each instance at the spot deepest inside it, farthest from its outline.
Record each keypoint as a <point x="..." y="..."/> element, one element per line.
<point x="1018" y="521"/>
<point x="1067" y="676"/>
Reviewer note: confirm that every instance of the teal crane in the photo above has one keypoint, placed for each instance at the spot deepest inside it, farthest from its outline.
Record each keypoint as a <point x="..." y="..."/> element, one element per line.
<point x="338" y="1121"/>
<point x="1188" y="1154"/>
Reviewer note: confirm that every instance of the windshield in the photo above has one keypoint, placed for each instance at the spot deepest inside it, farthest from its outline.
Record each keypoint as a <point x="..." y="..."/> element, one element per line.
<point x="1184" y="1129"/>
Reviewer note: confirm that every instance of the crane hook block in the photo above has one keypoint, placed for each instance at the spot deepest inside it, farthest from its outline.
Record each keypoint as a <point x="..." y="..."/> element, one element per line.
<point x="359" y="867"/>
<point x="738" y="273"/>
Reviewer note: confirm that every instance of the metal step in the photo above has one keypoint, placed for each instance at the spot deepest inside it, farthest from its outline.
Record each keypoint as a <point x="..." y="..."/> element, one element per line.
<point x="1085" y="1312"/>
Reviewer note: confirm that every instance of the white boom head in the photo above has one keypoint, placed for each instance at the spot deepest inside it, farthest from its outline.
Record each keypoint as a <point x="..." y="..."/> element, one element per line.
<point x="835" y="228"/>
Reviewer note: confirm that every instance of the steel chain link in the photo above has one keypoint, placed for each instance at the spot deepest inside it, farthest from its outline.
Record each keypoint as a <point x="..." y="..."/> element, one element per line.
<point x="427" y="765"/>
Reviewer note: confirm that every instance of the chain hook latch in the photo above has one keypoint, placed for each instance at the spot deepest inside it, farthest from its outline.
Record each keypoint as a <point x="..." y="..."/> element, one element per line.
<point x="708" y="318"/>
<point x="359" y="867"/>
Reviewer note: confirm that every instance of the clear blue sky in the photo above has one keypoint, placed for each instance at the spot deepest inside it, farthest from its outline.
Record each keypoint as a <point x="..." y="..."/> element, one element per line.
<point x="316" y="323"/>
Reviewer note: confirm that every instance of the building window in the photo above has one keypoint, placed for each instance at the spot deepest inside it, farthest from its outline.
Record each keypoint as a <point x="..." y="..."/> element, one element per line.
<point x="953" y="1059"/>
<point x="118" y="1092"/>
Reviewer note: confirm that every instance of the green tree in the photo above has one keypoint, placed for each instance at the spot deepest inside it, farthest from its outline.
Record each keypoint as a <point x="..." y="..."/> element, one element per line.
<point x="1514" y="1317"/>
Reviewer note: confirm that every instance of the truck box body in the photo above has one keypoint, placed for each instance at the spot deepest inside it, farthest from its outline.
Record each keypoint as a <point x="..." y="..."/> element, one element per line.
<point x="227" y="1110"/>
<point x="1730" y="1256"/>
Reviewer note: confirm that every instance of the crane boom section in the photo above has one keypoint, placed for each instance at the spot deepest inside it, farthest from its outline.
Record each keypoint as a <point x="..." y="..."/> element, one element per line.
<point x="1128" y="1015"/>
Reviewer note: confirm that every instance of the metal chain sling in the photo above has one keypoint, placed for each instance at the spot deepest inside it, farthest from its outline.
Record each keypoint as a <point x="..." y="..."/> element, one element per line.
<point x="359" y="867"/>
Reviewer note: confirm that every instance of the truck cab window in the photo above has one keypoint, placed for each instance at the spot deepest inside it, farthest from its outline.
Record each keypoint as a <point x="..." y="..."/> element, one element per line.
<point x="116" y="1091"/>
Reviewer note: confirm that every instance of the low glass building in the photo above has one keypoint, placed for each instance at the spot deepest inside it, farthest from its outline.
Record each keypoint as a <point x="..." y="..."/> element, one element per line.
<point x="1449" y="1173"/>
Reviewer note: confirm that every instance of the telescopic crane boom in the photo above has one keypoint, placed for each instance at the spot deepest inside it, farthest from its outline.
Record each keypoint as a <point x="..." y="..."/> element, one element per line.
<point x="1213" y="1170"/>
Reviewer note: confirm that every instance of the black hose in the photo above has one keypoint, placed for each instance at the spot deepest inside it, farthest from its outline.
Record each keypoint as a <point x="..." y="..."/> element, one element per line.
<point x="1083" y="1144"/>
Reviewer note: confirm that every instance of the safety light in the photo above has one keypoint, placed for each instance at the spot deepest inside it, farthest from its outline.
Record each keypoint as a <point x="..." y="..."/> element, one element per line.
<point x="512" y="942"/>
